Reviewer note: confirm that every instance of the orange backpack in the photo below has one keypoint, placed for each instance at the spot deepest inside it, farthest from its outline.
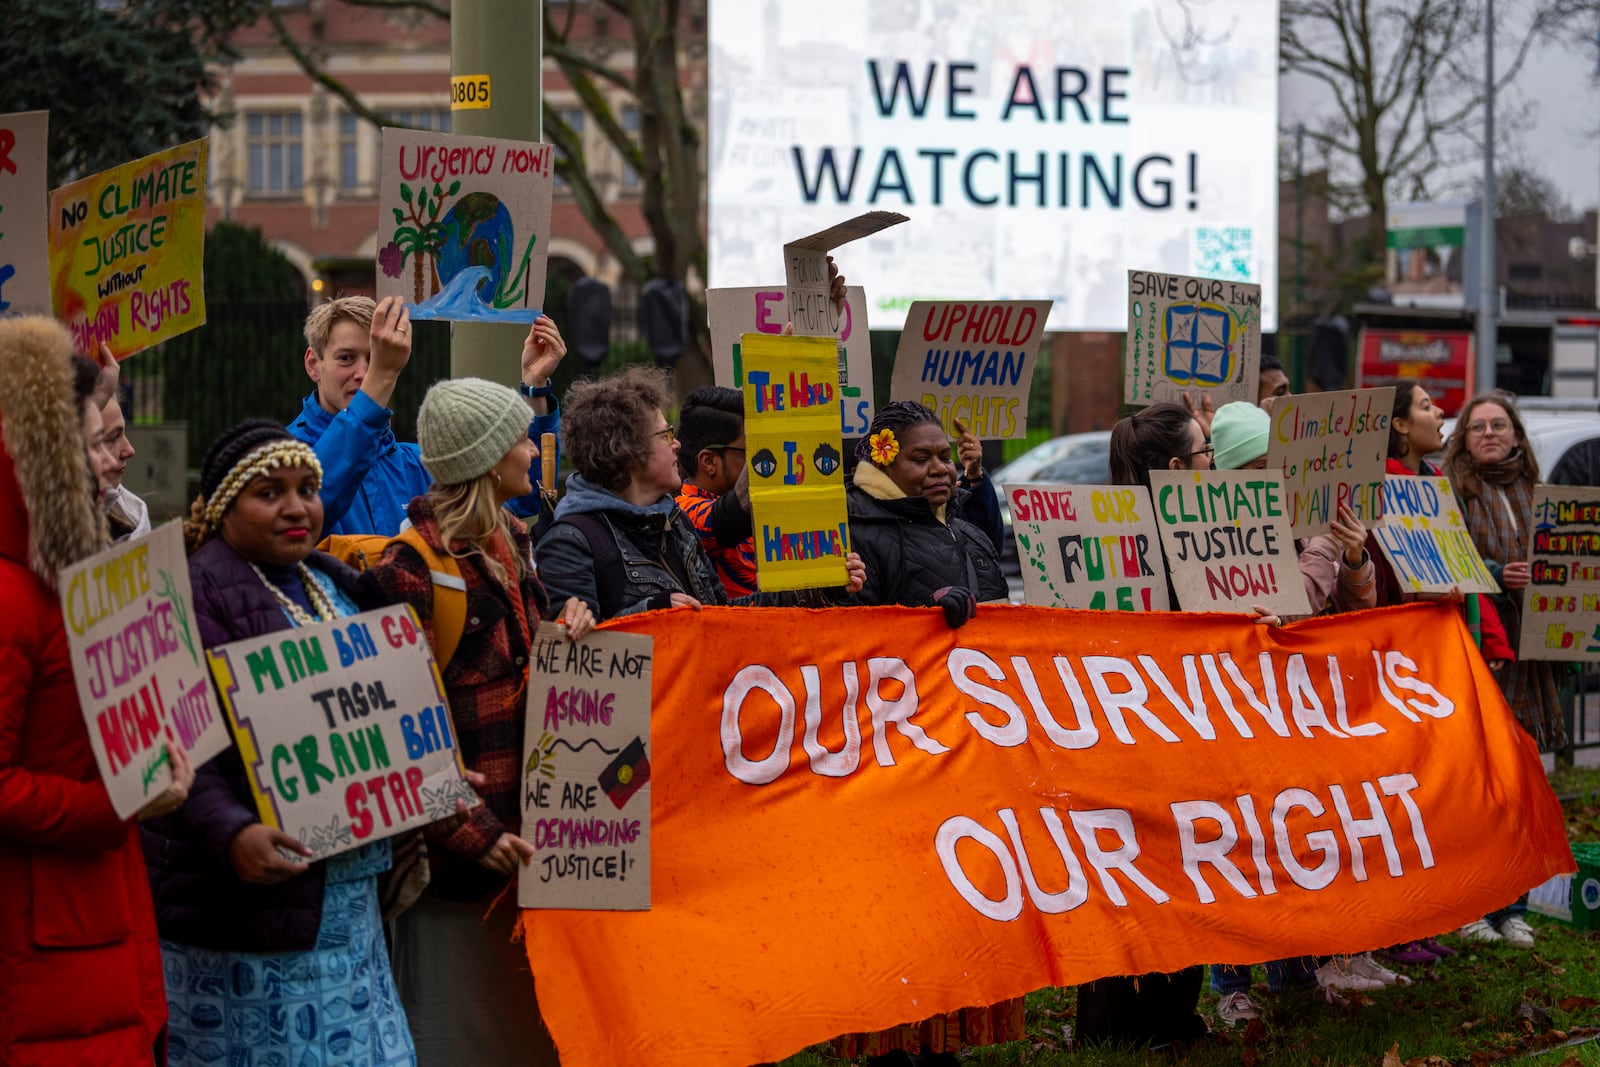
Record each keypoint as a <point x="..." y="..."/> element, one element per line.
<point x="361" y="551"/>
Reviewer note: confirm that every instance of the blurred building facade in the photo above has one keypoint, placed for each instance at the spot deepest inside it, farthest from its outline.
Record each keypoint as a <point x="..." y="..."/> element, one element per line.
<point x="301" y="165"/>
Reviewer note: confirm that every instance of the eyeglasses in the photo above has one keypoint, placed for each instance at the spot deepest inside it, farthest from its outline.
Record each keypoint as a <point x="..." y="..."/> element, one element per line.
<point x="725" y="448"/>
<point x="668" y="432"/>
<point x="1478" y="429"/>
<point x="1206" y="451"/>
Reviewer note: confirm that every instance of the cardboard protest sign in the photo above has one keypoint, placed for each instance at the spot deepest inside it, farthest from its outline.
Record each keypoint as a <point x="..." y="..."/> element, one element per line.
<point x="1227" y="540"/>
<point x="1561" y="607"/>
<point x="805" y="267"/>
<point x="1333" y="449"/>
<point x="464" y="225"/>
<point x="137" y="661"/>
<point x="1076" y="794"/>
<point x="343" y="728"/>
<point x="1088" y="546"/>
<point x="793" y="451"/>
<point x="1196" y="335"/>
<point x="971" y="361"/>
<point x="761" y="309"/>
<point x="586" y="772"/>
<point x="1425" y="538"/>
<point x="127" y="249"/>
<point x="24" y="197"/>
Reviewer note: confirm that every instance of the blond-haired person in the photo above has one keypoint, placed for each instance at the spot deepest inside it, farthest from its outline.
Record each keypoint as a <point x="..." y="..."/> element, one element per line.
<point x="355" y="351"/>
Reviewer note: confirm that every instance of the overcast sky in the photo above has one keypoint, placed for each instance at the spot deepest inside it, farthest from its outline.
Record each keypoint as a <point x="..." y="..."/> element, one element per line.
<point x="1561" y="143"/>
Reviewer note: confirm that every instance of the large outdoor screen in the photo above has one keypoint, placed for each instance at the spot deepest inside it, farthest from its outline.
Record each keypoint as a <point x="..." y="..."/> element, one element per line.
<point x="1040" y="148"/>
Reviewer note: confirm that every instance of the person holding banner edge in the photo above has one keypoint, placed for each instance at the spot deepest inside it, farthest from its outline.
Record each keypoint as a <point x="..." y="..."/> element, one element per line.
<point x="919" y="553"/>
<point x="82" y="981"/>
<point x="464" y="984"/>
<point x="906" y="519"/>
<point x="237" y="905"/>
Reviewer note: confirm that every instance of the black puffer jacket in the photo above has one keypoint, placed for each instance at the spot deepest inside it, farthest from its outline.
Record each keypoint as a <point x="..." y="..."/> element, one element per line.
<point x="199" y="899"/>
<point x="910" y="554"/>
<point x="645" y="555"/>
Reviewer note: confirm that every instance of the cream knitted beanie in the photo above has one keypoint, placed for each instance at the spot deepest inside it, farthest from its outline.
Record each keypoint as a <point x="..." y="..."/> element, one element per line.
<point x="466" y="426"/>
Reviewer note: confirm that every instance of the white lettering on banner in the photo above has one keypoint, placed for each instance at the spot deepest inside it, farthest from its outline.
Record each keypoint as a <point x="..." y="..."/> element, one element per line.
<point x="1026" y="866"/>
<point x="1119" y="690"/>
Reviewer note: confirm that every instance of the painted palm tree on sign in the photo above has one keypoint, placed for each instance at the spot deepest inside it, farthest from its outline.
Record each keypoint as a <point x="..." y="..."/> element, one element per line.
<point x="420" y="235"/>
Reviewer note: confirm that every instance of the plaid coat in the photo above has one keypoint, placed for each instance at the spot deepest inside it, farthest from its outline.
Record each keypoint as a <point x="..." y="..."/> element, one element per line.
<point x="485" y="683"/>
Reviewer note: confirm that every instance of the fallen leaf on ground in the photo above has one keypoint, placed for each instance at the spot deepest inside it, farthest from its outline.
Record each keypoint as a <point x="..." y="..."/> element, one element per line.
<point x="1392" y="1057"/>
<point x="1576" y="1003"/>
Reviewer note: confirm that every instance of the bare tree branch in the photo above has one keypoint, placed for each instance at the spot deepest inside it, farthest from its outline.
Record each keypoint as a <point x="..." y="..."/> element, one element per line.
<point x="313" y="70"/>
<point x="437" y="10"/>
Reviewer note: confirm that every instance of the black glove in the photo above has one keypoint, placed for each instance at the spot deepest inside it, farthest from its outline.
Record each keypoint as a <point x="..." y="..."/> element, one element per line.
<point x="958" y="603"/>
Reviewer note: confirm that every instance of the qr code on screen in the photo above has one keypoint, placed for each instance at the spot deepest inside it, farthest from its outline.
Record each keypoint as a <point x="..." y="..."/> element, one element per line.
<point x="1226" y="252"/>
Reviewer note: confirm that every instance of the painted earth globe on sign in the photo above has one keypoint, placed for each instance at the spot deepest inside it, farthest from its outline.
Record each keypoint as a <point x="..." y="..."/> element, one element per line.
<point x="478" y="234"/>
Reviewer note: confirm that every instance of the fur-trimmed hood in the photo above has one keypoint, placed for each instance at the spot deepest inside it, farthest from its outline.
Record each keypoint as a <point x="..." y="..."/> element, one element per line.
<point x="48" y="517"/>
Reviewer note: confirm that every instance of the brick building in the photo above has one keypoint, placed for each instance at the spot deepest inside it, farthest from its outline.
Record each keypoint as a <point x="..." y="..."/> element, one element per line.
<point x="298" y="163"/>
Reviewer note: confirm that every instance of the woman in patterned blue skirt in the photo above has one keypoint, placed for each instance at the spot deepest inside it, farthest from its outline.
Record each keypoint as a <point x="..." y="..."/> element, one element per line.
<point x="271" y="961"/>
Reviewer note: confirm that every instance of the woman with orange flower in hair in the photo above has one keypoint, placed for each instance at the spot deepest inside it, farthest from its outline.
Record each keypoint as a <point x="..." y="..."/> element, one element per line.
<point x="903" y="520"/>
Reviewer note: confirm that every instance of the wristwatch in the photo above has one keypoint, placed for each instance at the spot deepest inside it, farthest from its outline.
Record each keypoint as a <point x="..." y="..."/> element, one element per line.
<point x="534" y="392"/>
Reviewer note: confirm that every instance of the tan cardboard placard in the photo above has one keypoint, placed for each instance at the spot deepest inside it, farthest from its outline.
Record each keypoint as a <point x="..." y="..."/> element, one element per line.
<point x="971" y="361"/>
<point x="24" y="203"/>
<point x="1333" y="449"/>
<point x="344" y="729"/>
<point x="1196" y="335"/>
<point x="1561" y="606"/>
<point x="805" y="266"/>
<point x="138" y="664"/>
<point x="1088" y="546"/>
<point x="464" y="225"/>
<point x="586" y="772"/>
<point x="761" y="309"/>
<point x="1227" y="540"/>
<point x="1425" y="539"/>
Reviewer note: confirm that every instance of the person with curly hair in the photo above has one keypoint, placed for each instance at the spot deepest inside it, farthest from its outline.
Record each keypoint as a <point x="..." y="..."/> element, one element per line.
<point x="619" y="541"/>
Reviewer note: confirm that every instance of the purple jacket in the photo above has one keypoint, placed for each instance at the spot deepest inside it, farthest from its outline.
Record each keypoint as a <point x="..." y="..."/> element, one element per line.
<point x="199" y="899"/>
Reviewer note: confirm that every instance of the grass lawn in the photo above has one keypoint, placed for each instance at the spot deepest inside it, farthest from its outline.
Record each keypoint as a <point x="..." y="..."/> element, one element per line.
<point x="1489" y="1004"/>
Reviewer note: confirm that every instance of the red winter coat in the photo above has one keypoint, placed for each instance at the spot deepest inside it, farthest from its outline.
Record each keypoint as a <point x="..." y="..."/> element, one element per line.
<point x="80" y="967"/>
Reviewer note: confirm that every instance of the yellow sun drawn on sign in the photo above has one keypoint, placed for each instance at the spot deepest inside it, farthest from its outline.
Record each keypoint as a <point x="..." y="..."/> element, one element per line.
<point x="539" y="758"/>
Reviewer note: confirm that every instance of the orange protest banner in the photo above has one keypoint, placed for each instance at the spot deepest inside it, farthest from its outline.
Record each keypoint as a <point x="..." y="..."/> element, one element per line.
<point x="1039" y="798"/>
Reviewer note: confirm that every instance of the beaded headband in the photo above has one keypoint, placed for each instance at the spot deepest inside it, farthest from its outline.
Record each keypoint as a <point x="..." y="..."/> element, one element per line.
<point x="284" y="452"/>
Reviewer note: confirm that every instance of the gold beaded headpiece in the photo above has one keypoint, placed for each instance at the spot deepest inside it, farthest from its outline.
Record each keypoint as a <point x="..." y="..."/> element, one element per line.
<point x="284" y="452"/>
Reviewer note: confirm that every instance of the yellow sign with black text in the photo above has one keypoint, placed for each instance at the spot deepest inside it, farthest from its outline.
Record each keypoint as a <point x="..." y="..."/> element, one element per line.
<point x="469" y="92"/>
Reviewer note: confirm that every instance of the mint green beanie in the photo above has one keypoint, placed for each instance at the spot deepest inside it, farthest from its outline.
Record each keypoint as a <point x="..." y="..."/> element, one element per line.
<point x="1238" y="434"/>
<point x="466" y="426"/>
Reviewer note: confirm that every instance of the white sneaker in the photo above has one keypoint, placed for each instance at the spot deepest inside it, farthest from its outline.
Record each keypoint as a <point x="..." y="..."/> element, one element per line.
<point x="1367" y="967"/>
<point x="1237" y="1007"/>
<point x="1479" y="930"/>
<point x="1337" y="974"/>
<point x="1514" y="930"/>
